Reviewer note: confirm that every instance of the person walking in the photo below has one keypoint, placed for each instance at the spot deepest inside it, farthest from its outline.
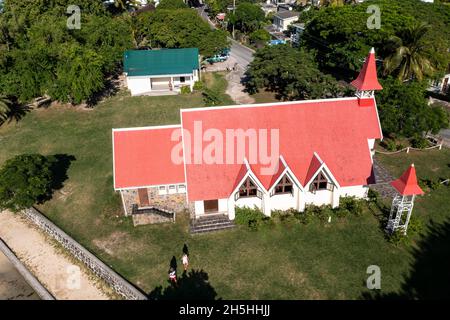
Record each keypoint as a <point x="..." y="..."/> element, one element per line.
<point x="185" y="261"/>
<point x="173" y="275"/>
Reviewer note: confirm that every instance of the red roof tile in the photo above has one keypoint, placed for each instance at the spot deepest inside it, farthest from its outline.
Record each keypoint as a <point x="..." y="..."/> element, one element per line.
<point x="337" y="129"/>
<point x="407" y="184"/>
<point x="367" y="78"/>
<point x="142" y="157"/>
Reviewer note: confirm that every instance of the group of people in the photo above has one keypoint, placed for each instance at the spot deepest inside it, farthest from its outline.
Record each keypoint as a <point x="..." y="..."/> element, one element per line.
<point x="173" y="269"/>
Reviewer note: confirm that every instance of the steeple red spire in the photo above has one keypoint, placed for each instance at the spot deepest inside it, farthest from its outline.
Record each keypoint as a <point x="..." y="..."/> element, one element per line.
<point x="367" y="79"/>
<point x="407" y="185"/>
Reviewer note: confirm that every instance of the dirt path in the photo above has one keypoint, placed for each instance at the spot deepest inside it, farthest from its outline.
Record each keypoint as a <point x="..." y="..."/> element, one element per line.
<point x="54" y="269"/>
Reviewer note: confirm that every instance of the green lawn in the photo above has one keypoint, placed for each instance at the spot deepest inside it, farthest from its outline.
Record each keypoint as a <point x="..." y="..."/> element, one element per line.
<point x="287" y="261"/>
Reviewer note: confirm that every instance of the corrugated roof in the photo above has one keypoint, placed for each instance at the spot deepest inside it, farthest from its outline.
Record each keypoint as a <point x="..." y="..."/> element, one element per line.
<point x="287" y="14"/>
<point x="160" y="62"/>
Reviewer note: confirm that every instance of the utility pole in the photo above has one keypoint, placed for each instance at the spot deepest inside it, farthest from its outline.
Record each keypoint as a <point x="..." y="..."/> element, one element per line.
<point x="234" y="13"/>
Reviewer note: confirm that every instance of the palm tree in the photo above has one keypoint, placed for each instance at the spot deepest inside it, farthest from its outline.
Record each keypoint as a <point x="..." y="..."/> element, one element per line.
<point x="5" y="108"/>
<point x="407" y="56"/>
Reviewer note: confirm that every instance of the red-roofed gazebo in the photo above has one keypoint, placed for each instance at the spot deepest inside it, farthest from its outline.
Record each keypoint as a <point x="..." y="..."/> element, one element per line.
<point x="407" y="188"/>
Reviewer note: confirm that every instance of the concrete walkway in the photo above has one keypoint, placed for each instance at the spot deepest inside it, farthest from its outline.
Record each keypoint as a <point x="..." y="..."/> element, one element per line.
<point x="54" y="268"/>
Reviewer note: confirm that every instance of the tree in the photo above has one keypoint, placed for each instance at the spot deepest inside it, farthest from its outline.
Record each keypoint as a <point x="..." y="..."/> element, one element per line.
<point x="171" y="4"/>
<point x="408" y="57"/>
<point x="260" y="35"/>
<point x="179" y="28"/>
<point x="4" y="108"/>
<point x="247" y="18"/>
<point x="25" y="180"/>
<point x="290" y="73"/>
<point x="404" y="110"/>
<point x="341" y="38"/>
<point x="40" y="55"/>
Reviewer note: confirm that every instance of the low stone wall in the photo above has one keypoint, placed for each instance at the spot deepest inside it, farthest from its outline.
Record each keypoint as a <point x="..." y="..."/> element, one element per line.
<point x="119" y="284"/>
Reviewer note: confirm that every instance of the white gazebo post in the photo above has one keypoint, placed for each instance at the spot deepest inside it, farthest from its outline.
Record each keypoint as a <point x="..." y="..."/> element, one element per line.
<point x="403" y="202"/>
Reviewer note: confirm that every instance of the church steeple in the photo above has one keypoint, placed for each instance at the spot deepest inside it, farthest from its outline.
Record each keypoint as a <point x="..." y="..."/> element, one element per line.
<point x="367" y="81"/>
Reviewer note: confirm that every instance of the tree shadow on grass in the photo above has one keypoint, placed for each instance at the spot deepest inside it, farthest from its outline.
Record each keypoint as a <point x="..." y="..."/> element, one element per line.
<point x="16" y="113"/>
<point x="59" y="169"/>
<point x="429" y="277"/>
<point x="60" y="164"/>
<point x="192" y="285"/>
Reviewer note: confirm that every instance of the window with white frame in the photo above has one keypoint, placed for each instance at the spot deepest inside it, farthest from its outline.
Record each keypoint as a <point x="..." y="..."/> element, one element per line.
<point x="181" y="188"/>
<point x="172" y="189"/>
<point x="162" y="190"/>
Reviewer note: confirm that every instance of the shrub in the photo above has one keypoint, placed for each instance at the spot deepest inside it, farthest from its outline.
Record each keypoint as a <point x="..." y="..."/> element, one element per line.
<point x="249" y="217"/>
<point x="430" y="184"/>
<point x="317" y="212"/>
<point x="288" y="216"/>
<point x="341" y="212"/>
<point x="415" y="226"/>
<point x="389" y="145"/>
<point x="305" y="217"/>
<point x="353" y="205"/>
<point x="419" y="142"/>
<point x="198" y="85"/>
<point x="398" y="237"/>
<point x="185" y="90"/>
<point x="372" y="196"/>
<point x="25" y="180"/>
<point x="211" y="97"/>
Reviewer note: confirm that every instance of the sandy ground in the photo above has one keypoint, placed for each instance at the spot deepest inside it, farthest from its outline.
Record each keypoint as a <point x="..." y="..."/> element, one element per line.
<point x="235" y="88"/>
<point x="53" y="268"/>
<point x="12" y="285"/>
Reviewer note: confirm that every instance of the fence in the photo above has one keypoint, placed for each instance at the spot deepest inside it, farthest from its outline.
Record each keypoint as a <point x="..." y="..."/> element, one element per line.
<point x="119" y="284"/>
<point x="407" y="149"/>
<point x="26" y="274"/>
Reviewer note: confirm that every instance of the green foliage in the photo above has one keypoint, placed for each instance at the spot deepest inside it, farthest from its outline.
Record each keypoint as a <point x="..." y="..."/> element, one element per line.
<point x="372" y="196"/>
<point x="211" y="97"/>
<point x="40" y="55"/>
<point x="407" y="53"/>
<point x="247" y="18"/>
<point x="352" y="204"/>
<point x="198" y="85"/>
<point x="179" y="28"/>
<point x="404" y="110"/>
<point x="185" y="90"/>
<point x="5" y="108"/>
<point x="171" y="4"/>
<point x="417" y="141"/>
<point x="260" y="35"/>
<point x="290" y="73"/>
<point x="252" y="218"/>
<point x="341" y="38"/>
<point x="25" y="180"/>
<point x="389" y="144"/>
<point x="415" y="227"/>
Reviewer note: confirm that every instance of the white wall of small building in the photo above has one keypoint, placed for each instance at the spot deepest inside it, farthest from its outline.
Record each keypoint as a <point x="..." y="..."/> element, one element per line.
<point x="143" y="84"/>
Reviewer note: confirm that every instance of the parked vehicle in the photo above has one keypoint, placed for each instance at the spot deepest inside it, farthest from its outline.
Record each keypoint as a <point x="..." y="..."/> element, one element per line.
<point x="220" y="57"/>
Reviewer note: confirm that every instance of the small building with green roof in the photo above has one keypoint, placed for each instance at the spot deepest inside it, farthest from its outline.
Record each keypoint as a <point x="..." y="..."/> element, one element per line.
<point x="161" y="71"/>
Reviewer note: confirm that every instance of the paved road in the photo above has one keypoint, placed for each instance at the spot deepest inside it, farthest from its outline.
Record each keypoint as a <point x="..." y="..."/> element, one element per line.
<point x="242" y="54"/>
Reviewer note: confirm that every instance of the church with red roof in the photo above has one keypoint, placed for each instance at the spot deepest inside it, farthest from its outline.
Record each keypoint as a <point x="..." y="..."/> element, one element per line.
<point x="273" y="156"/>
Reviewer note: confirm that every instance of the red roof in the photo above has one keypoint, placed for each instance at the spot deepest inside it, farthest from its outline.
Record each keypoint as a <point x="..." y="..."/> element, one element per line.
<point x="407" y="184"/>
<point x="336" y="129"/>
<point x="142" y="157"/>
<point x="367" y="78"/>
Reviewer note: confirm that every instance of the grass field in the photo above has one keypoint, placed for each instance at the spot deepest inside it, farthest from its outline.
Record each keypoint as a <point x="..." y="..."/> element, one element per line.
<point x="286" y="261"/>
